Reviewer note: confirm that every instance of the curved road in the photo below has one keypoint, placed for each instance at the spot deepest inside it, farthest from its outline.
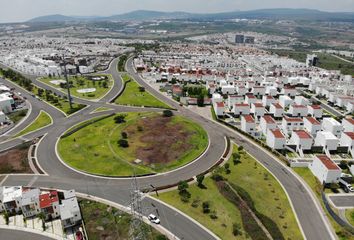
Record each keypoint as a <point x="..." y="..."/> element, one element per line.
<point x="118" y="190"/>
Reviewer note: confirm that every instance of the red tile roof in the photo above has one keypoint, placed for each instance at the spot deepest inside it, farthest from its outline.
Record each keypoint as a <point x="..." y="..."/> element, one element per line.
<point x="269" y="97"/>
<point x="328" y="162"/>
<point x="288" y="119"/>
<point x="220" y="104"/>
<point x="313" y="121"/>
<point x="350" y="134"/>
<point x="298" y="106"/>
<point x="302" y="134"/>
<point x="250" y="96"/>
<point x="350" y="120"/>
<point x="269" y="119"/>
<point x="316" y="106"/>
<point x="249" y="118"/>
<point x="241" y="105"/>
<point x="277" y="133"/>
<point x="258" y="105"/>
<point x="46" y="200"/>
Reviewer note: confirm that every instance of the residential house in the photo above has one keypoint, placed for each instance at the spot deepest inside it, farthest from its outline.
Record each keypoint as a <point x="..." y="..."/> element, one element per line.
<point x="276" y="110"/>
<point x="301" y="100"/>
<point x="333" y="126"/>
<point x="258" y="91"/>
<point x="285" y="101"/>
<point x="325" y="169"/>
<point x="312" y="125"/>
<point x="302" y="140"/>
<point x="8" y="201"/>
<point x="266" y="123"/>
<point x="289" y="91"/>
<point x="241" y="109"/>
<point x="219" y="108"/>
<point x="268" y="100"/>
<point x="233" y="99"/>
<point x="347" y="140"/>
<point x="248" y="124"/>
<point x="315" y="111"/>
<point x="348" y="124"/>
<point x="298" y="110"/>
<point x="249" y="99"/>
<point x="327" y="140"/>
<point x="271" y="91"/>
<point x="29" y="202"/>
<point x="290" y="124"/>
<point x="241" y="90"/>
<point x="49" y="204"/>
<point x="70" y="214"/>
<point x="276" y="139"/>
<point x="257" y="109"/>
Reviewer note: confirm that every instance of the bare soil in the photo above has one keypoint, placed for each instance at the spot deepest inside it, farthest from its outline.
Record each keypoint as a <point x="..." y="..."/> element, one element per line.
<point x="162" y="142"/>
<point x="15" y="161"/>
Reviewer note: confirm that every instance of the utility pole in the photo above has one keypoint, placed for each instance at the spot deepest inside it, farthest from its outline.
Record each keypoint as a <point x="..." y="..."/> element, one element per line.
<point x="67" y="83"/>
<point x="137" y="229"/>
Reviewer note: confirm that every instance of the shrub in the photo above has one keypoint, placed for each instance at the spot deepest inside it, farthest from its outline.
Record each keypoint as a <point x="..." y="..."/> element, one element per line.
<point x="123" y="143"/>
<point x="141" y="89"/>
<point x="236" y="229"/>
<point x="213" y="215"/>
<point x="119" y="118"/>
<point x="200" y="179"/>
<point x="124" y="135"/>
<point x="167" y="113"/>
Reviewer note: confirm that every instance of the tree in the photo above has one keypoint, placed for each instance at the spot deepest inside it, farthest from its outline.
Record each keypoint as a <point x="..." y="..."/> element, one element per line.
<point x="167" y="113"/>
<point x="42" y="217"/>
<point x="105" y="84"/>
<point x="240" y="148"/>
<point x="182" y="187"/>
<point x="200" y="179"/>
<point x="6" y="216"/>
<point x="236" y="229"/>
<point x="123" y="143"/>
<point x="227" y="168"/>
<point x="141" y="89"/>
<point x="119" y="118"/>
<point x="124" y="135"/>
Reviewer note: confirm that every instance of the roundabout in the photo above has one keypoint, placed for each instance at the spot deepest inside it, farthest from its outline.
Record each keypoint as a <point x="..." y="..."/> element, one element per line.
<point x="143" y="143"/>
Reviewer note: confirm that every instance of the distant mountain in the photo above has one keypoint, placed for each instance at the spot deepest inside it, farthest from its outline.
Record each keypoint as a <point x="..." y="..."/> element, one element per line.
<point x="145" y="15"/>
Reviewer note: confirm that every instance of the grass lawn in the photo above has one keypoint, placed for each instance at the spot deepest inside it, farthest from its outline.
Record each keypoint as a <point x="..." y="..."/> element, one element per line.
<point x="132" y="96"/>
<point x="265" y="192"/>
<point x="59" y="103"/>
<point x="17" y="116"/>
<point x="105" y="222"/>
<point x="95" y="148"/>
<point x="42" y="120"/>
<point x="83" y="82"/>
<point x="350" y="216"/>
<point x="314" y="184"/>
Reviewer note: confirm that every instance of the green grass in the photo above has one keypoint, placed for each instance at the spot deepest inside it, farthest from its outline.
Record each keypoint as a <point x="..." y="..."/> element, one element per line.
<point x="315" y="185"/>
<point x="350" y="216"/>
<point x="121" y="63"/>
<point x="61" y="103"/>
<point x="42" y="120"/>
<point x="115" y="223"/>
<point x="132" y="96"/>
<point x="94" y="148"/>
<point x="266" y="193"/>
<point x="17" y="116"/>
<point x="82" y="82"/>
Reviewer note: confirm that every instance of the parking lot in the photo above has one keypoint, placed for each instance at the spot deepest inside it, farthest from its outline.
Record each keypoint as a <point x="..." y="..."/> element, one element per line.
<point x="342" y="200"/>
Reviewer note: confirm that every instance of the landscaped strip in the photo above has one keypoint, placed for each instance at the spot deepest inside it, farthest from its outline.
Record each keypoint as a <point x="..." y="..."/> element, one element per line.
<point x="144" y="143"/>
<point x="41" y="121"/>
<point x="96" y="89"/>
<point x="135" y="95"/>
<point x="229" y="219"/>
<point x="106" y="222"/>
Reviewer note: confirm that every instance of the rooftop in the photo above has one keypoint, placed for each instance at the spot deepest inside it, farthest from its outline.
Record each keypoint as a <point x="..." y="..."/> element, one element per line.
<point x="277" y="133"/>
<point x="328" y="162"/>
<point x="302" y="134"/>
<point x="349" y="120"/>
<point x="292" y="119"/>
<point x="258" y="105"/>
<point x="332" y="121"/>
<point x="350" y="134"/>
<point x="277" y="105"/>
<point x="313" y="120"/>
<point x="248" y="118"/>
<point x="220" y="104"/>
<point x="47" y="199"/>
<point x="316" y="106"/>
<point x="269" y="119"/>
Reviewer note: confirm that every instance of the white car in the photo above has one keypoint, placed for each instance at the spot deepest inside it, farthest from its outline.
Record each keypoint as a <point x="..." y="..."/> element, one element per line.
<point x="153" y="219"/>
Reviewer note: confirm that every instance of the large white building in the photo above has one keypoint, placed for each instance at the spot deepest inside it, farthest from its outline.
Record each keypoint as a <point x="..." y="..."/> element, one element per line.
<point x="327" y="140"/>
<point x="325" y="169"/>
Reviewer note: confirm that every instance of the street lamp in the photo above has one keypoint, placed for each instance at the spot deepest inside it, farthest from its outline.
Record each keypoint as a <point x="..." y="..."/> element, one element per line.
<point x="67" y="82"/>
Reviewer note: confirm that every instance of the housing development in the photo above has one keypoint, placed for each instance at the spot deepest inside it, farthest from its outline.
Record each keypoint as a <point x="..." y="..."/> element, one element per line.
<point x="174" y="125"/>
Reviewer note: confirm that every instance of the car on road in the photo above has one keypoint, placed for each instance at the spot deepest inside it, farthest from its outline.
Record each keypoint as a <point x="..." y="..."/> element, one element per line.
<point x="346" y="186"/>
<point x="153" y="219"/>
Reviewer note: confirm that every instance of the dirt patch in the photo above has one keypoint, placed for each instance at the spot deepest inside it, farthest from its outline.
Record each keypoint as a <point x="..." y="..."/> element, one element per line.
<point x="161" y="141"/>
<point x="15" y="161"/>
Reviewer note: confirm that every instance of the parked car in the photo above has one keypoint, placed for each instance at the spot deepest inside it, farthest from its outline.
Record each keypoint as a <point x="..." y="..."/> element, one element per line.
<point x="346" y="186"/>
<point x="153" y="219"/>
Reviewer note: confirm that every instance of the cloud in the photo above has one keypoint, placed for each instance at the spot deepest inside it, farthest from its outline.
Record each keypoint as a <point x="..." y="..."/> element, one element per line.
<point x="22" y="10"/>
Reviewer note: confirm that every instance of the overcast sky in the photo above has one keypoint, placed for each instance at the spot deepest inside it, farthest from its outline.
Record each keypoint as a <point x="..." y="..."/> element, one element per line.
<point x="22" y="10"/>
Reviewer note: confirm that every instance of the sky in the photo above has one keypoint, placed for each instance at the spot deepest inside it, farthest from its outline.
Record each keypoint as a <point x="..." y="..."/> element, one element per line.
<point x="23" y="10"/>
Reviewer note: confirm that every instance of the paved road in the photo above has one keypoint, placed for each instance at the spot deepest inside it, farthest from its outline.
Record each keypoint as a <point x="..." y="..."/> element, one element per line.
<point x="346" y="200"/>
<point x="117" y="190"/>
<point x="19" y="235"/>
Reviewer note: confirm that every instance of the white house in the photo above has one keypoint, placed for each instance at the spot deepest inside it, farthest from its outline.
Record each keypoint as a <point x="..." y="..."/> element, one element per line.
<point x="233" y="99"/>
<point x="228" y="89"/>
<point x="268" y="100"/>
<point x="49" y="204"/>
<point x="2" y="116"/>
<point x="315" y="111"/>
<point x="350" y="107"/>
<point x="29" y="202"/>
<point x="285" y="101"/>
<point x="241" y="90"/>
<point x="289" y="91"/>
<point x="301" y="100"/>
<point x="219" y="108"/>
<point x="8" y="199"/>
<point x="325" y="169"/>
<point x="333" y="126"/>
<point x="290" y="124"/>
<point x="327" y="140"/>
<point x="276" y="110"/>
<point x="266" y="123"/>
<point x="216" y="98"/>
<point x="348" y="124"/>
<point x="271" y="91"/>
<point x="298" y="110"/>
<point x="6" y="103"/>
<point x="312" y="125"/>
<point x="347" y="140"/>
<point x="249" y="99"/>
<point x="302" y="140"/>
<point x="241" y="109"/>
<point x="257" y="109"/>
<point x="248" y="124"/>
<point x="250" y="84"/>
<point x="70" y="214"/>
<point x="276" y="139"/>
<point x="258" y="90"/>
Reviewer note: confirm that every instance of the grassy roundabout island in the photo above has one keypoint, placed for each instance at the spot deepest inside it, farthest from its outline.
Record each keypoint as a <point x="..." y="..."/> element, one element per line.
<point x="142" y="142"/>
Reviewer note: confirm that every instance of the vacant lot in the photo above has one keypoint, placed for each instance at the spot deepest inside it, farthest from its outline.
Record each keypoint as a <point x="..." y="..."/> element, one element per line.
<point x="133" y="95"/>
<point x="160" y="144"/>
<point x="15" y="161"/>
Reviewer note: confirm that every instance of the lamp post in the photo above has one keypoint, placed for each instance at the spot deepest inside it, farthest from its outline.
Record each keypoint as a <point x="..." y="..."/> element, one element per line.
<point x="67" y="83"/>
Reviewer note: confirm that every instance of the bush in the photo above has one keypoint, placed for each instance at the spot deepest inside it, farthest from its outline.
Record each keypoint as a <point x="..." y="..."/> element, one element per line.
<point x="124" y="135"/>
<point x="119" y="118"/>
<point x="213" y="215"/>
<point x="167" y="113"/>
<point x="123" y="143"/>
<point x="200" y="179"/>
<point x="141" y="89"/>
<point x="236" y="229"/>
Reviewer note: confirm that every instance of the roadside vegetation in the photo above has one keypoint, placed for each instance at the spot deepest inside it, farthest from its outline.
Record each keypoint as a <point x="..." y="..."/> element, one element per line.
<point x="83" y="82"/>
<point x="121" y="64"/>
<point x="350" y="216"/>
<point x="42" y="120"/>
<point x="316" y="187"/>
<point x="236" y="197"/>
<point x="102" y="109"/>
<point x="142" y="142"/>
<point x="135" y="95"/>
<point x="106" y="222"/>
<point x="17" y="116"/>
